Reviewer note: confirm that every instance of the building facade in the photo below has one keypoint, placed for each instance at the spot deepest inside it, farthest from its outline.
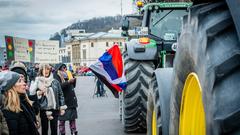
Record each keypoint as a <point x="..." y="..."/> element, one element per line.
<point x="76" y="53"/>
<point x="93" y="48"/>
<point x="85" y="48"/>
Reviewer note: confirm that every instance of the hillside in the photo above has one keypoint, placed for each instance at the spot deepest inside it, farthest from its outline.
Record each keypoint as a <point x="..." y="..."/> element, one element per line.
<point x="101" y="24"/>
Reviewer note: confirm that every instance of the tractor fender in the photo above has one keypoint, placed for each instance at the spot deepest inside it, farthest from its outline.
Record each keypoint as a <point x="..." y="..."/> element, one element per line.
<point x="164" y="79"/>
<point x="137" y="51"/>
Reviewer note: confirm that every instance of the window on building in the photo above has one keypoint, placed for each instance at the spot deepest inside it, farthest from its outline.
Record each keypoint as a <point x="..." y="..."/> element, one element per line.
<point x="107" y="44"/>
<point x="92" y="45"/>
<point x="84" y="54"/>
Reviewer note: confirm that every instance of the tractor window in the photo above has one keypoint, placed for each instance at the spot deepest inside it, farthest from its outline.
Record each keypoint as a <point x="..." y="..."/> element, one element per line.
<point x="134" y="22"/>
<point x="166" y="24"/>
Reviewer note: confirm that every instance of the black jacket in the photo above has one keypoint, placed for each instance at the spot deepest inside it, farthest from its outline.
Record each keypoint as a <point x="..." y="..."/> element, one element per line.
<point x="58" y="93"/>
<point x="22" y="123"/>
<point x="3" y="123"/>
<point x="68" y="90"/>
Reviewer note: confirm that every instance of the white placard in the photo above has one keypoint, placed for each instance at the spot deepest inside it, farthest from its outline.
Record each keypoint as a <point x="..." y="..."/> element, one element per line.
<point x="46" y="51"/>
<point x="21" y="49"/>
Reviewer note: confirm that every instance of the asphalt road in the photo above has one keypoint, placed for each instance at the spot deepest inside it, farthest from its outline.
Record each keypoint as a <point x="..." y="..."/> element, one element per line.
<point x="96" y="115"/>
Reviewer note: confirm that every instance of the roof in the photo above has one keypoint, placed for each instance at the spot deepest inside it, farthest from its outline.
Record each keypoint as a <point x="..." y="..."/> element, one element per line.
<point x="104" y="35"/>
<point x="99" y="35"/>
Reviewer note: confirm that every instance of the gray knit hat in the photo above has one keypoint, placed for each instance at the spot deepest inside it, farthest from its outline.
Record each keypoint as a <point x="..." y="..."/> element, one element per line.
<point x="7" y="80"/>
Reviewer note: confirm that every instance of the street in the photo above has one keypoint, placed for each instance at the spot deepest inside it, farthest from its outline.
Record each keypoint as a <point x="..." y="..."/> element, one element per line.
<point x="96" y="115"/>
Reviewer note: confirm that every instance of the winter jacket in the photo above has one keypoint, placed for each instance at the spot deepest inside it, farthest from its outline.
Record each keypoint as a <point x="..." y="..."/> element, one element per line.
<point x="22" y="123"/>
<point x="68" y="90"/>
<point x="57" y="90"/>
<point x="3" y="123"/>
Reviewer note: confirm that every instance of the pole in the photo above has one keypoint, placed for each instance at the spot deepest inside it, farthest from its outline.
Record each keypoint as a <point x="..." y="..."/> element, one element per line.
<point x="121" y="8"/>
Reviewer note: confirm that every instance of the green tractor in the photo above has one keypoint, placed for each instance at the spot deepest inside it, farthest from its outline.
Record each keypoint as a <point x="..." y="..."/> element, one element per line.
<point x="205" y="88"/>
<point x="143" y="55"/>
<point x="200" y="95"/>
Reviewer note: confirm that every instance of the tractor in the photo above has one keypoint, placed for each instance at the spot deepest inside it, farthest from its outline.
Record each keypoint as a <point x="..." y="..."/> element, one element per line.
<point x="147" y="52"/>
<point x="200" y="95"/>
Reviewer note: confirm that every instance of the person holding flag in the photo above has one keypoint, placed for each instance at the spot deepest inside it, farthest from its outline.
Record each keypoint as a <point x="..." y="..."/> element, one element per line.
<point x="109" y="69"/>
<point x="68" y="83"/>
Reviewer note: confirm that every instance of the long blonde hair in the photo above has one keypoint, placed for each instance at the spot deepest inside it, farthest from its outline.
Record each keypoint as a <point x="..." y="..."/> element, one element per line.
<point x="12" y="101"/>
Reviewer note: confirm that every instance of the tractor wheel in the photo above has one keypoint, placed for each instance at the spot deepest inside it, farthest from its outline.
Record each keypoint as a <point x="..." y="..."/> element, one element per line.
<point x="138" y="74"/>
<point x="154" y="124"/>
<point x="205" y="97"/>
<point x="159" y="102"/>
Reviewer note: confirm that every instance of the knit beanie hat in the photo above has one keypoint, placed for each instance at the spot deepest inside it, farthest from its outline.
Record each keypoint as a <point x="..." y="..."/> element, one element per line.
<point x="7" y="80"/>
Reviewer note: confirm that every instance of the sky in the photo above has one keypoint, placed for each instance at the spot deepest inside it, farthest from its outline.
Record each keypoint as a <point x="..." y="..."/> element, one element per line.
<point x="39" y="19"/>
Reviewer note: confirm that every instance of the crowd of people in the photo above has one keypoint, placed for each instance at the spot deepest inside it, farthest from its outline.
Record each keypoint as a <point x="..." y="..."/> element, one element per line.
<point x="29" y="101"/>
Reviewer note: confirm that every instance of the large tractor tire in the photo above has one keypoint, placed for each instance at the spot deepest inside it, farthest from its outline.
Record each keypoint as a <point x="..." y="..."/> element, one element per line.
<point x="138" y="74"/>
<point x="159" y="102"/>
<point x="205" y="95"/>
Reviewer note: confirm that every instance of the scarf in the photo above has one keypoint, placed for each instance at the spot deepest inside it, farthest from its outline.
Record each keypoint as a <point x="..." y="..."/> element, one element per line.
<point x="45" y="83"/>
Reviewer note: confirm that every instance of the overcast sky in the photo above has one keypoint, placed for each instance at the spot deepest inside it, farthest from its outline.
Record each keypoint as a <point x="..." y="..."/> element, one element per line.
<point x="38" y="19"/>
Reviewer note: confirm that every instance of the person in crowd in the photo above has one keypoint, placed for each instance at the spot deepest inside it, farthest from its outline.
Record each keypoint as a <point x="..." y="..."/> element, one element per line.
<point x="20" y="67"/>
<point x="32" y="72"/>
<point x="100" y="87"/>
<point x="68" y="83"/>
<point x="3" y="123"/>
<point x="17" y="108"/>
<point x="1" y="69"/>
<point x="50" y="97"/>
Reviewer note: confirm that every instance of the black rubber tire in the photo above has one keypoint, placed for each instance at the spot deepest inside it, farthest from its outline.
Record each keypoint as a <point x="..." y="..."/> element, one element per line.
<point x="209" y="46"/>
<point x="153" y="105"/>
<point x="138" y="74"/>
<point x="159" y="100"/>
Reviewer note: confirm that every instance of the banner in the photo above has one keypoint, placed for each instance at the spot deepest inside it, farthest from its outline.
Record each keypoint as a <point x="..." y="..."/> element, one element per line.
<point x="21" y="52"/>
<point x="46" y="51"/>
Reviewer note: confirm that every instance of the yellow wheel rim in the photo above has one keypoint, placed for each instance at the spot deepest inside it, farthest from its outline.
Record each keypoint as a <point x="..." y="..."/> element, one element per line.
<point x="192" y="115"/>
<point x="154" y="123"/>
